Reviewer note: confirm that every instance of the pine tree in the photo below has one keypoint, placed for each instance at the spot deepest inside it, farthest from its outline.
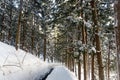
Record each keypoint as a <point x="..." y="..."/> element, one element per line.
<point x="117" y="30"/>
<point x="97" y="38"/>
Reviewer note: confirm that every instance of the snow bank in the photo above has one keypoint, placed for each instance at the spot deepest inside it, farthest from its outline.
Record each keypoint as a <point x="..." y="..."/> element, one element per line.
<point x="61" y="73"/>
<point x="20" y="65"/>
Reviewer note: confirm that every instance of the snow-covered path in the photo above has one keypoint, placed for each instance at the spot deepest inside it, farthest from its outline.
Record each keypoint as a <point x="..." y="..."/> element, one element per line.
<point x="61" y="73"/>
<point x="44" y="77"/>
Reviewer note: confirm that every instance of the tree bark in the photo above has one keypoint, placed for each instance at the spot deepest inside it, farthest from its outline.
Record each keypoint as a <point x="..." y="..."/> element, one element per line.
<point x="108" y="63"/>
<point x="92" y="66"/>
<point x="32" y="34"/>
<point x="19" y="26"/>
<point x="79" y="70"/>
<point x="9" y="32"/>
<point x="93" y="60"/>
<point x="84" y="41"/>
<point x="32" y="40"/>
<point x="117" y="30"/>
<point x="97" y="38"/>
<point x="44" y="55"/>
<point x="2" y="24"/>
<point x="79" y="61"/>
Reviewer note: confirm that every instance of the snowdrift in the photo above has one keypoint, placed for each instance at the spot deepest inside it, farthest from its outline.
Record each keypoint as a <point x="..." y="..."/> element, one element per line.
<point x="20" y="65"/>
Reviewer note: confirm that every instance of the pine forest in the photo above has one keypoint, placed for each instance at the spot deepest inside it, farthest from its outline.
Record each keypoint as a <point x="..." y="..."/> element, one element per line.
<point x="82" y="35"/>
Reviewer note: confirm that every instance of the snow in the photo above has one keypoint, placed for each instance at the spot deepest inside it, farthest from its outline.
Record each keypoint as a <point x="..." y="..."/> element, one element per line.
<point x="21" y="65"/>
<point x="76" y="54"/>
<point x="88" y="24"/>
<point x="61" y="72"/>
<point x="116" y="21"/>
<point x="79" y="42"/>
<point x="93" y="49"/>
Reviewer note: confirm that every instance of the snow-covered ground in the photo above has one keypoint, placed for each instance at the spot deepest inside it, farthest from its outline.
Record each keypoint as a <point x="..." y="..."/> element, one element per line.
<point x="61" y="73"/>
<point x="20" y="65"/>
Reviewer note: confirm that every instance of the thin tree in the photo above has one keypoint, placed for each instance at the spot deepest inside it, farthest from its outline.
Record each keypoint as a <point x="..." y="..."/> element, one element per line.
<point x="32" y="34"/>
<point x="19" y="26"/>
<point x="2" y="23"/>
<point x="79" y="61"/>
<point x="108" y="61"/>
<point x="44" y="55"/>
<point x="93" y="57"/>
<point x="92" y="67"/>
<point x="10" y="14"/>
<point x="84" y="41"/>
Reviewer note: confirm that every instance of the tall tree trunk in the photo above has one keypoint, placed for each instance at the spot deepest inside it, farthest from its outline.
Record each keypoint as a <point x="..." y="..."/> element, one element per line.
<point x="97" y="38"/>
<point x="2" y="23"/>
<point x="23" y="35"/>
<point x="92" y="67"/>
<point x="73" y="64"/>
<point x="10" y="14"/>
<point x="19" y="26"/>
<point x="87" y="55"/>
<point x="99" y="58"/>
<point x="93" y="61"/>
<point x="79" y="61"/>
<point x="44" y="55"/>
<point x="117" y="30"/>
<point x="79" y="70"/>
<point x="32" y="39"/>
<point x="84" y="53"/>
<point x="2" y="28"/>
<point x="9" y="32"/>
<point x="32" y="34"/>
<point x="108" y="63"/>
<point x="84" y="37"/>
<point x="66" y="60"/>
